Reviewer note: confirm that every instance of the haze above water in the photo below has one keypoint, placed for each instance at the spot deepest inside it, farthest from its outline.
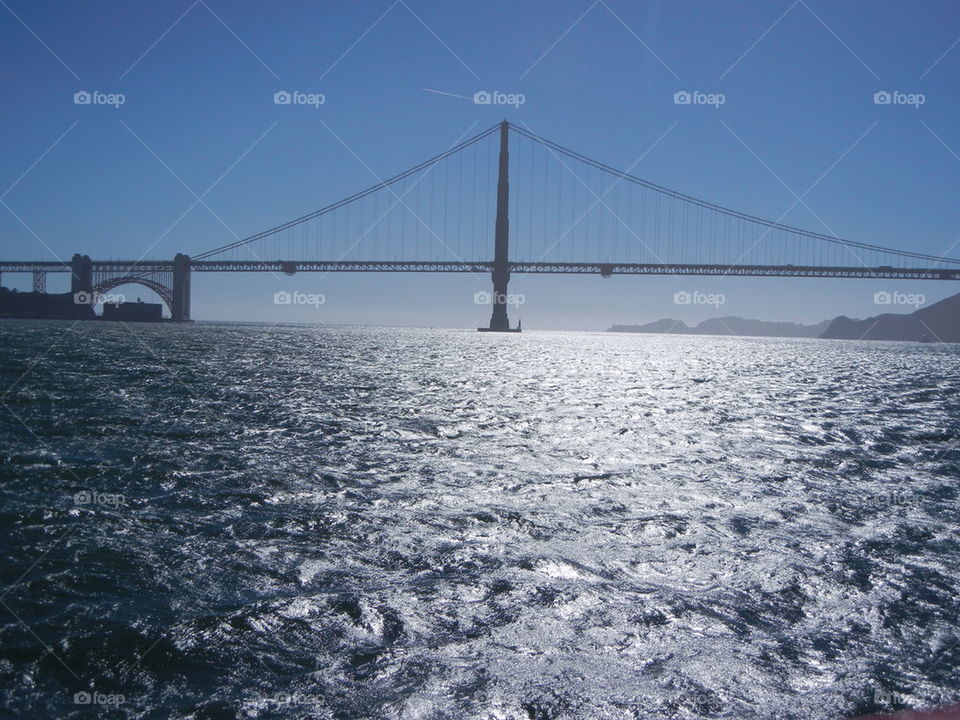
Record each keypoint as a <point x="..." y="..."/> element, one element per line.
<point x="413" y="523"/>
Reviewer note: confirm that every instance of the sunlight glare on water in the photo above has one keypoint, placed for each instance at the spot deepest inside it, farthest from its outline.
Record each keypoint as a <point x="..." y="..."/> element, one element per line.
<point x="367" y="523"/>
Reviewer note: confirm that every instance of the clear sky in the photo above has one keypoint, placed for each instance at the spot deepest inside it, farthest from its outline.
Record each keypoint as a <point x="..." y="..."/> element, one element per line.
<point x="198" y="119"/>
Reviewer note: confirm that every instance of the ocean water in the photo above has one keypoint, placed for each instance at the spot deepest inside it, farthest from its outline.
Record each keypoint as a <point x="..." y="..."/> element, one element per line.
<point x="227" y="521"/>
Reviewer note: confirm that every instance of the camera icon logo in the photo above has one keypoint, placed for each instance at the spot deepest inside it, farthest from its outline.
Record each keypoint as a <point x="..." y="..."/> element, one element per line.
<point x="83" y="298"/>
<point x="82" y="698"/>
<point x="83" y="497"/>
<point x="882" y="97"/>
<point x="482" y="98"/>
<point x="682" y="298"/>
<point x="282" y="297"/>
<point x="282" y="97"/>
<point x="882" y="298"/>
<point x="482" y="298"/>
<point x="682" y="97"/>
<point x="82" y="97"/>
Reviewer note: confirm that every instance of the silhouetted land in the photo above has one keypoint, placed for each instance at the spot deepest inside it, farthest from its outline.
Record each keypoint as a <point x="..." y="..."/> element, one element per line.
<point x="939" y="322"/>
<point x="731" y="325"/>
<point x="49" y="306"/>
<point x="63" y="306"/>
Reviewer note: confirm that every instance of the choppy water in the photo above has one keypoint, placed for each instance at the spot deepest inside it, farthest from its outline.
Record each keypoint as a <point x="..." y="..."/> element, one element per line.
<point x="384" y="523"/>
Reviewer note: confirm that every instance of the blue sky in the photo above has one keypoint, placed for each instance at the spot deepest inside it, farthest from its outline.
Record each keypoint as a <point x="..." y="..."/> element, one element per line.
<point x="198" y="80"/>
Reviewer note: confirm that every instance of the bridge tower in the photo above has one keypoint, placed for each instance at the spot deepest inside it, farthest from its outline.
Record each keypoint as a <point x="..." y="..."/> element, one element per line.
<point x="81" y="275"/>
<point x="180" y="310"/>
<point x="501" y="253"/>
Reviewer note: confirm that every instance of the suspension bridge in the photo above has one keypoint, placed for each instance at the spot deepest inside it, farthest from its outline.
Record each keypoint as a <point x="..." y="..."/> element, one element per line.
<point x="550" y="209"/>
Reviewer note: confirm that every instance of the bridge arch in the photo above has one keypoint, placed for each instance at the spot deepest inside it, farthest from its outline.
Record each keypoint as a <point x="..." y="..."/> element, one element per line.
<point x="165" y="293"/>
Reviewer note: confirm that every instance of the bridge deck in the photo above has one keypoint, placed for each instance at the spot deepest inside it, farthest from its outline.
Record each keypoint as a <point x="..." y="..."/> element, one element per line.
<point x="133" y="267"/>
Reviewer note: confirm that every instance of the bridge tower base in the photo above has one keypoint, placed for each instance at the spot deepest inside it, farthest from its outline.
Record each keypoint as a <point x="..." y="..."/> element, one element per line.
<point x="180" y="310"/>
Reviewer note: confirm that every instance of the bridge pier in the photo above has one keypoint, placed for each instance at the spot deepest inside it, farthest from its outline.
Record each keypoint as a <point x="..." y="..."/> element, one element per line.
<point x="180" y="310"/>
<point x="499" y="322"/>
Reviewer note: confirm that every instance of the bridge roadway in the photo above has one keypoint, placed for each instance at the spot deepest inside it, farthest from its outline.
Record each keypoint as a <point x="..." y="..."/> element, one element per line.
<point x="137" y="267"/>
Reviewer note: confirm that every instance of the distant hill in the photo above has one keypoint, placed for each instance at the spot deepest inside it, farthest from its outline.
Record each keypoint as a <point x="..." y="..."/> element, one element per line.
<point x="939" y="322"/>
<point x="731" y="325"/>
